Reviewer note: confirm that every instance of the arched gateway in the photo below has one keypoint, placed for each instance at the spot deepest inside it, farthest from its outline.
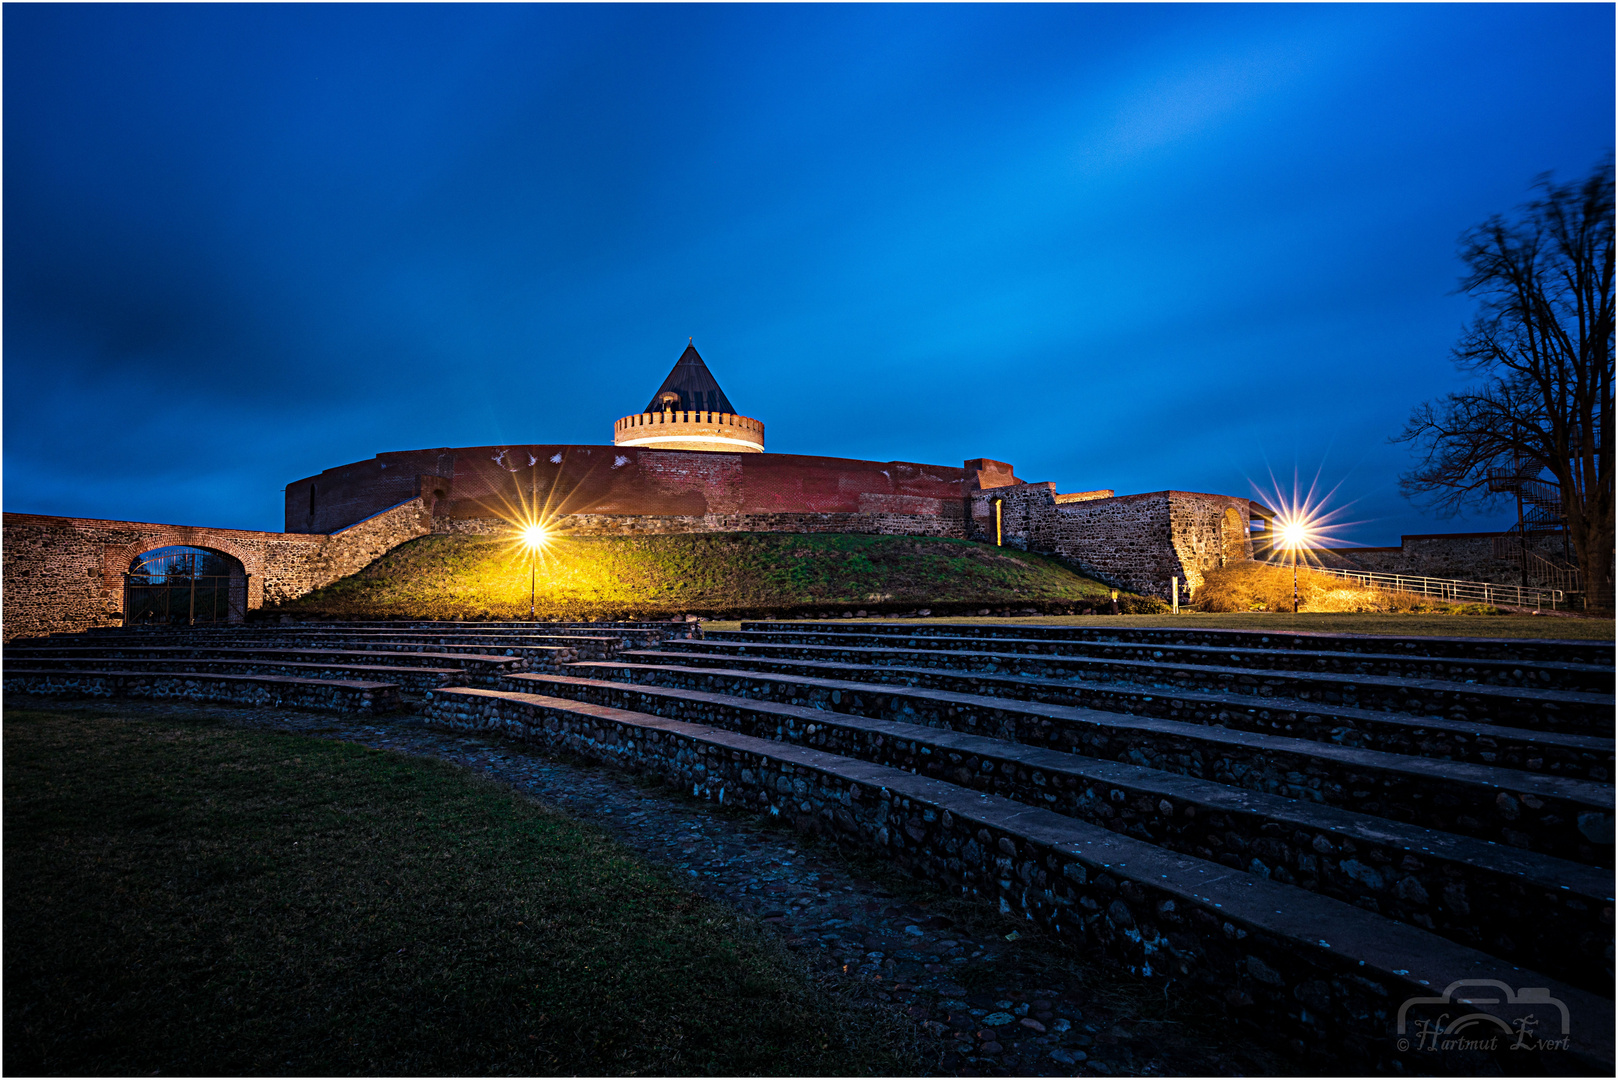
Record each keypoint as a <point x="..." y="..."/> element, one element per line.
<point x="181" y="585"/>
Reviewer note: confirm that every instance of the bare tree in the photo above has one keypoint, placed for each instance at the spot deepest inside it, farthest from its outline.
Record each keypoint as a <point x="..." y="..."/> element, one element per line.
<point x="1541" y="346"/>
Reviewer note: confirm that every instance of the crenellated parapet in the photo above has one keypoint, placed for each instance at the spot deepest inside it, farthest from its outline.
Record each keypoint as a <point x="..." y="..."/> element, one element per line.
<point x="672" y="429"/>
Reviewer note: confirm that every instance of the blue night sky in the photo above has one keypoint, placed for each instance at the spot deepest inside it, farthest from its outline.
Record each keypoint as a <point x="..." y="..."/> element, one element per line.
<point x="1137" y="247"/>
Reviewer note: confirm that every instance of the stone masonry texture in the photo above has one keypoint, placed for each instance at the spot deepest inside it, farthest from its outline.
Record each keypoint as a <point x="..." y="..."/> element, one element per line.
<point x="66" y="574"/>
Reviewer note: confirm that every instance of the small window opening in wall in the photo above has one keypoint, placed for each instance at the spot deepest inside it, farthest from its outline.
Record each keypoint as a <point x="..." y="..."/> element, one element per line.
<point x="999" y="523"/>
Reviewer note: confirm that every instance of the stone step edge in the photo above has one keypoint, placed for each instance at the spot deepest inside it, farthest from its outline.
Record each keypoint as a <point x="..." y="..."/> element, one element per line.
<point x="227" y="636"/>
<point x="1287" y="705"/>
<point x="1586" y="792"/>
<point x="1544" y="871"/>
<point x="1081" y="632"/>
<point x="248" y="653"/>
<point x="212" y="676"/>
<point x="1410" y="962"/>
<point x="969" y="643"/>
<point x="1434" y="686"/>
<point x="103" y="650"/>
<point x="564" y="641"/>
<point x="401" y="670"/>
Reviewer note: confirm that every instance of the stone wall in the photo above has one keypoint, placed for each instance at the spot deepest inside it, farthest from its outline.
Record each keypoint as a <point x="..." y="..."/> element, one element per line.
<point x="1136" y="542"/>
<point x="1464" y="556"/>
<point x="66" y="574"/>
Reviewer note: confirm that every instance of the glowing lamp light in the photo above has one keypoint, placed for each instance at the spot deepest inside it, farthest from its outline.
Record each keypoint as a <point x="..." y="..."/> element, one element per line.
<point x="1301" y="524"/>
<point x="534" y="536"/>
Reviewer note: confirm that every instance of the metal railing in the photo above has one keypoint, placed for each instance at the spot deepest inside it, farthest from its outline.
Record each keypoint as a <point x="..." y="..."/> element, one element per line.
<point x="1545" y="572"/>
<point x="1482" y="592"/>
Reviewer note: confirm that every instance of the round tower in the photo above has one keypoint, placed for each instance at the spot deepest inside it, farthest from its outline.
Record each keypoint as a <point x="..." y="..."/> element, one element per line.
<point x="690" y="412"/>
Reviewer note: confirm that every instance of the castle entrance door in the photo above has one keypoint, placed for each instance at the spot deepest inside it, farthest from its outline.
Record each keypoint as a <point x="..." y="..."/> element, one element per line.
<point x="184" y="586"/>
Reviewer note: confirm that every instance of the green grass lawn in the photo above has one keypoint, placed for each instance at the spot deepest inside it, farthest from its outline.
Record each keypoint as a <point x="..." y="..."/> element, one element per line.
<point x="1422" y="625"/>
<point x="748" y="574"/>
<point x="182" y="897"/>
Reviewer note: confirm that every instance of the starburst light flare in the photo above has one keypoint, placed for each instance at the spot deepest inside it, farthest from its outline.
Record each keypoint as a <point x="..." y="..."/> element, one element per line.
<point x="1302" y="525"/>
<point x="534" y="535"/>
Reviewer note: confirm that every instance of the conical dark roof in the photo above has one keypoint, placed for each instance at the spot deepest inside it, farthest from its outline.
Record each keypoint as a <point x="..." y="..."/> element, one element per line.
<point x="695" y="384"/>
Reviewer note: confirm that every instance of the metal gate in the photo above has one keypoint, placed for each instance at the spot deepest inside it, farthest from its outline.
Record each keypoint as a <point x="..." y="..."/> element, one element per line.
<point x="185" y="586"/>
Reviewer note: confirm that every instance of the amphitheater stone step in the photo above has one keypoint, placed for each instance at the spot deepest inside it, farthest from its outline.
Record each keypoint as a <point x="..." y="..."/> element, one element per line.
<point x="1540" y="674"/>
<point x="1315" y="969"/>
<point x="641" y="633"/>
<point x="326" y="695"/>
<point x="1525" y="649"/>
<point x="474" y="663"/>
<point x="1550" y="710"/>
<point x="588" y="648"/>
<point x="408" y="678"/>
<point x="1523" y="906"/>
<point x="1583" y="756"/>
<point x="1561" y="816"/>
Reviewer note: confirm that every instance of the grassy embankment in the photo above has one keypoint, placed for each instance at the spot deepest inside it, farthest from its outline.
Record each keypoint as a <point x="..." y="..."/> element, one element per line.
<point x="182" y="897"/>
<point x="736" y="574"/>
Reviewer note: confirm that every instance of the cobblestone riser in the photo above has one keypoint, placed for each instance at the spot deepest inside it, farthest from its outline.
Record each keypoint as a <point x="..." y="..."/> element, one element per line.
<point x="1473" y="800"/>
<point x="638" y="634"/>
<point x="1541" y="675"/>
<point x="1547" y="710"/>
<point x="326" y="695"/>
<point x="600" y="648"/>
<point x="1246" y="944"/>
<point x="475" y="663"/>
<point x="1537" y="911"/>
<point x="408" y="678"/>
<point x="1580" y="756"/>
<point x="1515" y="649"/>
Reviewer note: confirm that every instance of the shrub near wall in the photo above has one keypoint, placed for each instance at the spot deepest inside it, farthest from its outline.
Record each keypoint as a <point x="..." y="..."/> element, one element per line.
<point x="1254" y="586"/>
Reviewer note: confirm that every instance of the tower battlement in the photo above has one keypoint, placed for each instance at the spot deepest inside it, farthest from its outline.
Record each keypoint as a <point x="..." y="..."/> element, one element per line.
<point x="670" y="430"/>
<point x="690" y="412"/>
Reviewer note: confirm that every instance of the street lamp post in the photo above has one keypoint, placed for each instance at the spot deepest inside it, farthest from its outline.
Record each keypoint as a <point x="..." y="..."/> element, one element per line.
<point x="533" y="538"/>
<point x="1292" y="534"/>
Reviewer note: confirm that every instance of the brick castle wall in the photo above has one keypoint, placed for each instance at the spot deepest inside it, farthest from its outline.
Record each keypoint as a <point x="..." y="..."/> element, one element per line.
<point x="606" y="482"/>
<point x="950" y="525"/>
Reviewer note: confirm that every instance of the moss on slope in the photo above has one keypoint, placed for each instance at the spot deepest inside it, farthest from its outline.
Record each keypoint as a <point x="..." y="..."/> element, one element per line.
<point x="714" y="574"/>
